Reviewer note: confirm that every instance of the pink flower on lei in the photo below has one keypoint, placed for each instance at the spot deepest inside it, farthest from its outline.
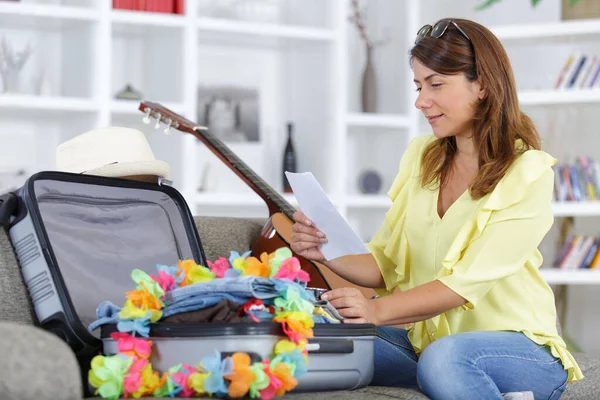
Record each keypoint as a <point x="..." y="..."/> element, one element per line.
<point x="219" y="267"/>
<point x="181" y="378"/>
<point x="132" y="346"/>
<point x="165" y="281"/>
<point x="274" y="383"/>
<point x="133" y="377"/>
<point x="290" y="269"/>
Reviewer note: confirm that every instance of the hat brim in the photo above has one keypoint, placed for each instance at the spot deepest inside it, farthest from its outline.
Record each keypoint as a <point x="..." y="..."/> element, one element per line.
<point x="118" y="170"/>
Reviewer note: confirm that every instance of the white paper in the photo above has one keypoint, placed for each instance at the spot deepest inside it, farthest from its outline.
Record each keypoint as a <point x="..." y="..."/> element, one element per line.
<point x="314" y="203"/>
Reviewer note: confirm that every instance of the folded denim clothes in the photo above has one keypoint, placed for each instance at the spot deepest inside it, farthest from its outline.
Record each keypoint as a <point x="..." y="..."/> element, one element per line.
<point x="206" y="294"/>
<point x="245" y="286"/>
<point x="106" y="313"/>
<point x="238" y="290"/>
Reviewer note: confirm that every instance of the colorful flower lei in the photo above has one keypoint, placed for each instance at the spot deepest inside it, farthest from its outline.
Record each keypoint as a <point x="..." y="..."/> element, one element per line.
<point x="129" y="373"/>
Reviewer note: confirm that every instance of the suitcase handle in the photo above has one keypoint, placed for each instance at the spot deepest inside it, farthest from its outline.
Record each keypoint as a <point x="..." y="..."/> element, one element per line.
<point x="330" y="346"/>
<point x="254" y="357"/>
<point x="8" y="208"/>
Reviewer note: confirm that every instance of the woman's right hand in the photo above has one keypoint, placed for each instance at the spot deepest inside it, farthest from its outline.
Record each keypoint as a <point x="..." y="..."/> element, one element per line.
<point x="306" y="238"/>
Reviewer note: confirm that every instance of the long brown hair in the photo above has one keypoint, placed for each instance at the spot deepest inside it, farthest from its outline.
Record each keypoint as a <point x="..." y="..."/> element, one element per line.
<point x="498" y="120"/>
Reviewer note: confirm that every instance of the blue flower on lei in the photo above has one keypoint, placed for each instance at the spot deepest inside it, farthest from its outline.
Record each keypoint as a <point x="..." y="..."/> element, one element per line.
<point x="218" y="368"/>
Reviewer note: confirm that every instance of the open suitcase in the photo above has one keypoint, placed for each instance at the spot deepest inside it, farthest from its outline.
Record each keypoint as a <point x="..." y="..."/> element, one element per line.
<point x="77" y="239"/>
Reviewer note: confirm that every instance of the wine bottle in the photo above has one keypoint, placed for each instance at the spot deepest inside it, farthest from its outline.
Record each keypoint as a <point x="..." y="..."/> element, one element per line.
<point x="289" y="158"/>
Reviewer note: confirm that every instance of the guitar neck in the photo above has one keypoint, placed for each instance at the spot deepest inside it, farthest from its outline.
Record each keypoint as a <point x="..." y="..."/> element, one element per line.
<point x="275" y="202"/>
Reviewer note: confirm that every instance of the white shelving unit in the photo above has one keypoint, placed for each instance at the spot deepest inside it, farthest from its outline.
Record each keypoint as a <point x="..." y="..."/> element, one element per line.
<point x="30" y="10"/>
<point x="113" y="33"/>
<point x="132" y="18"/>
<point x="271" y="30"/>
<point x="555" y="97"/>
<point x="549" y="30"/>
<point x="37" y="103"/>
<point x="555" y="276"/>
<point x="312" y="69"/>
<point x="577" y="209"/>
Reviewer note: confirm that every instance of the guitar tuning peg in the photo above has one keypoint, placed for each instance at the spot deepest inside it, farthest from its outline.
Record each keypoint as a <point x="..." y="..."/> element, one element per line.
<point x="167" y="130"/>
<point x="146" y="118"/>
<point x="158" y="116"/>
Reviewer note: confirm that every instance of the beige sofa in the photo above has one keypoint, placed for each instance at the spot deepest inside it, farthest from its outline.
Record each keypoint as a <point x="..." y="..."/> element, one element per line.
<point x="37" y="365"/>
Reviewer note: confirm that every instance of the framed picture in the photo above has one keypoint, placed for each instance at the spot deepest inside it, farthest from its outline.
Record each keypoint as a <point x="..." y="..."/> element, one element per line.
<point x="231" y="113"/>
<point x="240" y="99"/>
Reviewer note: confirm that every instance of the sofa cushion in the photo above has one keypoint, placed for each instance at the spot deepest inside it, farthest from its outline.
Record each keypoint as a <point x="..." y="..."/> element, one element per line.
<point x="220" y="235"/>
<point x="589" y="387"/>
<point x="15" y="305"/>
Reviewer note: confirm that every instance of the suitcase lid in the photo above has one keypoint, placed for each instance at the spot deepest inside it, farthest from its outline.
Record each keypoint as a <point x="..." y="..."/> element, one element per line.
<point x="96" y="230"/>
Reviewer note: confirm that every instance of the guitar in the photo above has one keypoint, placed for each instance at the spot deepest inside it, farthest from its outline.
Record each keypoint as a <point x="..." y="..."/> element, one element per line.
<point x="277" y="231"/>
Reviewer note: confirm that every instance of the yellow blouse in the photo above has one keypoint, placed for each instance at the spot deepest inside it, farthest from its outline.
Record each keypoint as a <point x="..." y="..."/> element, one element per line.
<point x="485" y="250"/>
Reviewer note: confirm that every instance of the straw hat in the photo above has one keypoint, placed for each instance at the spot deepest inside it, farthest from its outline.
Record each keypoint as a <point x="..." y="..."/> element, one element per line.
<point x="115" y="152"/>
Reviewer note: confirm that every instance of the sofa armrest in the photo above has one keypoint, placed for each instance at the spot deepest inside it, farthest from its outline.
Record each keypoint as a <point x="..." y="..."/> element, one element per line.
<point x="15" y="305"/>
<point x="36" y="365"/>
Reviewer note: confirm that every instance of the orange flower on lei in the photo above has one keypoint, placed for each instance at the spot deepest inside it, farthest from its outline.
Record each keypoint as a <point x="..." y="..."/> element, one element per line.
<point x="242" y="376"/>
<point x="256" y="267"/>
<point x="142" y="298"/>
<point x="288" y="382"/>
<point x="194" y="273"/>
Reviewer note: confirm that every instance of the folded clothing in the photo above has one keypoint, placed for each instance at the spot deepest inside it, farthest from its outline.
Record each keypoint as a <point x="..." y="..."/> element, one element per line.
<point x="223" y="311"/>
<point x="324" y="316"/>
<point x="331" y="310"/>
<point x="238" y="290"/>
<point x="222" y="301"/>
<point x="206" y="294"/>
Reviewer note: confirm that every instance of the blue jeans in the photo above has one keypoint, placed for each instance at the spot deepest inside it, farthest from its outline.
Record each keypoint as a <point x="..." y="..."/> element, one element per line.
<point x="473" y="365"/>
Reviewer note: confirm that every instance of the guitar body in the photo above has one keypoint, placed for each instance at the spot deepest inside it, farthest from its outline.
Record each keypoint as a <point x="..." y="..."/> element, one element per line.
<point x="277" y="233"/>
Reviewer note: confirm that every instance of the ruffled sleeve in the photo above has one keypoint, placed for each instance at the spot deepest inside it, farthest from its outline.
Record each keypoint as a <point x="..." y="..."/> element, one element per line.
<point x="506" y="231"/>
<point x="389" y="245"/>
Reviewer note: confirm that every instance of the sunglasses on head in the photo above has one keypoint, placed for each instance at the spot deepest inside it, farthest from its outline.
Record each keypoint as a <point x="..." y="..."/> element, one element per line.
<point x="438" y="30"/>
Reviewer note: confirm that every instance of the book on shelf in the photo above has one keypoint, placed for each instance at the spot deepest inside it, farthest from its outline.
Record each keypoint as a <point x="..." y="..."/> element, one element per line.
<point x="579" y="181"/>
<point x="579" y="71"/>
<point x="579" y="252"/>
<point x="160" y="6"/>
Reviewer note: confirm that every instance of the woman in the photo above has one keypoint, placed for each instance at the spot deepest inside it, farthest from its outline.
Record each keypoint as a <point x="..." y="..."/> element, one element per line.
<point x="471" y="203"/>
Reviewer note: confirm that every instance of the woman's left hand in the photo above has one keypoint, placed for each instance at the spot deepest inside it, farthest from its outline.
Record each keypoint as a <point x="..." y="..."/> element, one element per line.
<point x="353" y="305"/>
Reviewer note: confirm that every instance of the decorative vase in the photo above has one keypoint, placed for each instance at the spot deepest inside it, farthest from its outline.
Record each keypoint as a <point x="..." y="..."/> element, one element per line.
<point x="369" y="84"/>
